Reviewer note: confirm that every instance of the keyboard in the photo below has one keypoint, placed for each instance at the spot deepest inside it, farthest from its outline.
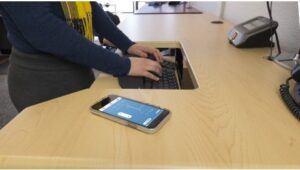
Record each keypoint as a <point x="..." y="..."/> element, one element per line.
<point x="168" y="80"/>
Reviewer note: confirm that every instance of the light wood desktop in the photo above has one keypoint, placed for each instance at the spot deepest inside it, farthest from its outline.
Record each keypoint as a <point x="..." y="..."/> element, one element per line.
<point x="235" y="118"/>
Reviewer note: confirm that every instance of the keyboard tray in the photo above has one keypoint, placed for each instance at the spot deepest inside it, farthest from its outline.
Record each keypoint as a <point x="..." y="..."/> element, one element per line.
<point x="169" y="79"/>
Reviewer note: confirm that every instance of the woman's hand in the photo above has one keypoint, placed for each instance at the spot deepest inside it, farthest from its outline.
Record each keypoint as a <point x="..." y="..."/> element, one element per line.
<point x="143" y="51"/>
<point x="145" y="67"/>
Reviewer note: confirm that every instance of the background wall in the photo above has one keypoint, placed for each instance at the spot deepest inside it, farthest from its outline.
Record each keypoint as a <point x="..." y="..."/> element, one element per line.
<point x="286" y="13"/>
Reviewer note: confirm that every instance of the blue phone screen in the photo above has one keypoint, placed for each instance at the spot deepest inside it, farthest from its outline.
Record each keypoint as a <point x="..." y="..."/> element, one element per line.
<point x="132" y="111"/>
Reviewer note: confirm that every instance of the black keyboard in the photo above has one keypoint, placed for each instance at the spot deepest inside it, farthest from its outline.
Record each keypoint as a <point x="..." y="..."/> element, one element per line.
<point x="168" y="79"/>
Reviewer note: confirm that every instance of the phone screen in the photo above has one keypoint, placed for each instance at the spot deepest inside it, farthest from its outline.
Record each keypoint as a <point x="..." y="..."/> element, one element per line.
<point x="133" y="111"/>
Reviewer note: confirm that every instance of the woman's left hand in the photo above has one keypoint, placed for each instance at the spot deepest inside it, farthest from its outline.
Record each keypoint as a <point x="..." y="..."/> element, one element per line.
<point x="143" y="51"/>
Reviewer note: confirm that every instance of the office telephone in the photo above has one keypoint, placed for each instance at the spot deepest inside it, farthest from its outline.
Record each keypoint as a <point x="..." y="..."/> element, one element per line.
<point x="253" y="33"/>
<point x="292" y="102"/>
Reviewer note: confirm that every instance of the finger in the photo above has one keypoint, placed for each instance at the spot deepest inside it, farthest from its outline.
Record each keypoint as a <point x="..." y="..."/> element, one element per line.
<point x="151" y="76"/>
<point x="149" y="50"/>
<point x="155" y="64"/>
<point x="154" y="67"/>
<point x="158" y="56"/>
<point x="154" y="70"/>
<point x="154" y="52"/>
<point x="142" y="54"/>
<point x="158" y="69"/>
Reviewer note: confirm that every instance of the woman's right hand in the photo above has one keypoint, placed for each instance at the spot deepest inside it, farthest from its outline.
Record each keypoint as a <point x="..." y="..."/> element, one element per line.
<point x="144" y="67"/>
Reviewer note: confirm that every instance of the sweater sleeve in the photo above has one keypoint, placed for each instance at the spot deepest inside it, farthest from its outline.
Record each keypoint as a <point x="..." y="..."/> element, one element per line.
<point x="105" y="27"/>
<point x="51" y="34"/>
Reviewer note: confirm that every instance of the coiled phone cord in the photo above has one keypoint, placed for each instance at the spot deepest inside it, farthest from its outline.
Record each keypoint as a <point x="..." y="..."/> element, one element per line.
<point x="288" y="99"/>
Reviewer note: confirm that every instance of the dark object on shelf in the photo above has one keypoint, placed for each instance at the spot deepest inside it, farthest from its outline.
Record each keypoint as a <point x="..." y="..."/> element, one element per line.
<point x="174" y="3"/>
<point x="156" y="4"/>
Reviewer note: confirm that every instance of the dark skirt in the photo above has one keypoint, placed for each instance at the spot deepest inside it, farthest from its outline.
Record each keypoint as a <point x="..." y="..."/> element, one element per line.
<point x="35" y="78"/>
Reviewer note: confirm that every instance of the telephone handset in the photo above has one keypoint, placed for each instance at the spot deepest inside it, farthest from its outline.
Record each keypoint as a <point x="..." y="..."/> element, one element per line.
<point x="292" y="102"/>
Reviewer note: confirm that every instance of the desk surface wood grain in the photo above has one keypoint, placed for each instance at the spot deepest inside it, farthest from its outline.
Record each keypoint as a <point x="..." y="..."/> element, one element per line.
<point x="235" y="118"/>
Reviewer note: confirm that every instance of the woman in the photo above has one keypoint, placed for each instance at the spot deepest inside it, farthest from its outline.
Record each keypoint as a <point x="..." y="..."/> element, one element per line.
<point x="53" y="52"/>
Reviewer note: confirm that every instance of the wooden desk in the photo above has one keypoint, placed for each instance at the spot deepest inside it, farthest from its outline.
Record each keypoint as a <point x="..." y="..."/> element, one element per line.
<point x="167" y="9"/>
<point x="234" y="119"/>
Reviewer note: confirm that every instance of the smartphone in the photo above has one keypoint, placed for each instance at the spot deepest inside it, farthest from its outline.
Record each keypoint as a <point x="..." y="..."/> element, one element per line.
<point x="144" y="117"/>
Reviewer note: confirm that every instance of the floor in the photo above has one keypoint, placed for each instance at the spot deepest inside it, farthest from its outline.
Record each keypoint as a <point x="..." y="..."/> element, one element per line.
<point x="7" y="109"/>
